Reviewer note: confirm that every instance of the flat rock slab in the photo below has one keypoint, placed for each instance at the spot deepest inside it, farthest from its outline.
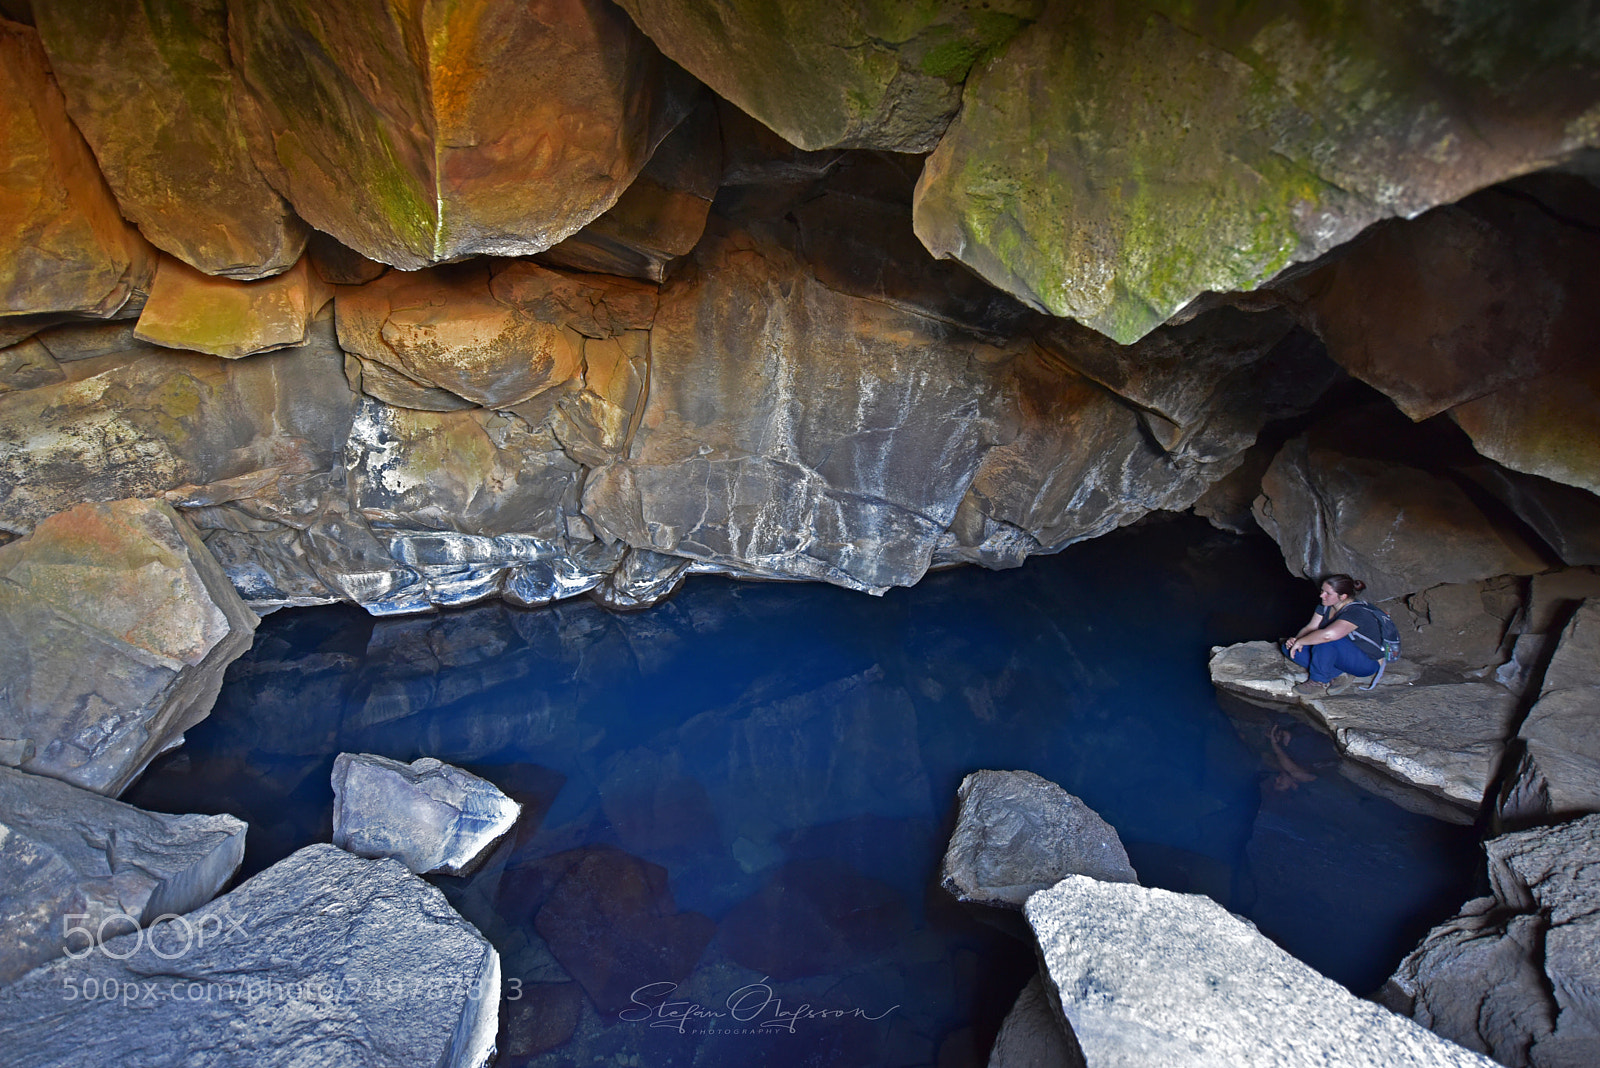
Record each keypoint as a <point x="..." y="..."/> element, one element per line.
<point x="73" y="860"/>
<point x="1147" y="977"/>
<point x="428" y="815"/>
<point x="1445" y="740"/>
<point x="324" y="959"/>
<point x="1018" y="833"/>
<point x="116" y="625"/>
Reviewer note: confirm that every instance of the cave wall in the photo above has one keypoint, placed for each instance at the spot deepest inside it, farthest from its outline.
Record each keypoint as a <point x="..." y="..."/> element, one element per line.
<point x="413" y="307"/>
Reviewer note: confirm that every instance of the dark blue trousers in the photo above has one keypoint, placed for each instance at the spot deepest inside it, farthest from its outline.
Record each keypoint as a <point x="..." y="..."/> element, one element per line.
<point x="1329" y="660"/>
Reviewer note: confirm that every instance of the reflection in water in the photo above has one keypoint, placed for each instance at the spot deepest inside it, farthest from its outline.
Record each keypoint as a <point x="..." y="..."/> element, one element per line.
<point x="736" y="802"/>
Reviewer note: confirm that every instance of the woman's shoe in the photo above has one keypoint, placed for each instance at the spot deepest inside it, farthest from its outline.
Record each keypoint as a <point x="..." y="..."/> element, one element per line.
<point x="1342" y="685"/>
<point x="1311" y="689"/>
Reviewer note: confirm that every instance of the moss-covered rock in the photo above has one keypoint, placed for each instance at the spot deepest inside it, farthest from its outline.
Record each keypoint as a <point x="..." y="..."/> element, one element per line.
<point x="63" y="245"/>
<point x="224" y="317"/>
<point x="863" y="74"/>
<point x="1116" y="160"/>
<point x="152" y="88"/>
<point x="428" y="132"/>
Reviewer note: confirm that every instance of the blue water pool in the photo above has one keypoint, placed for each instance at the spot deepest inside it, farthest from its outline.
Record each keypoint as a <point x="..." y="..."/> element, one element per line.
<point x="735" y="803"/>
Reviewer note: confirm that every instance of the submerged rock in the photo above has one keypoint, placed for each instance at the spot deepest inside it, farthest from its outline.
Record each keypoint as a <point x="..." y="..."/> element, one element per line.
<point x="1146" y="976"/>
<point x="611" y="921"/>
<point x="76" y="868"/>
<point x="116" y="626"/>
<point x="1018" y="833"/>
<point x="1513" y="974"/>
<point x="428" y="815"/>
<point x="322" y="959"/>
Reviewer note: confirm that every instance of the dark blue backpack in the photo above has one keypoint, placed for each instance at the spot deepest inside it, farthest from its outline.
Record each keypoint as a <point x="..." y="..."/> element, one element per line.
<point x="1376" y="635"/>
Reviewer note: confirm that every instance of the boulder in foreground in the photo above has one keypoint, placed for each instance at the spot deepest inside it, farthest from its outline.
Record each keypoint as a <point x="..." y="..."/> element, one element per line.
<point x="71" y="860"/>
<point x="428" y="815"/>
<point x="1514" y="974"/>
<point x="1018" y="833"/>
<point x="116" y="625"/>
<point x="1146" y="976"/>
<point x="322" y="959"/>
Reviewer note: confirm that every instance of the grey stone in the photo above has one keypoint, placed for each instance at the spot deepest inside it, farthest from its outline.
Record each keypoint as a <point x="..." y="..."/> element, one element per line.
<point x="73" y="859"/>
<point x="323" y="959"/>
<point x="116" y="626"/>
<point x="430" y="816"/>
<point x="1146" y="976"/>
<point x="1032" y="1035"/>
<point x="1018" y="833"/>
<point x="1557" y="775"/>
<point x="1514" y="974"/>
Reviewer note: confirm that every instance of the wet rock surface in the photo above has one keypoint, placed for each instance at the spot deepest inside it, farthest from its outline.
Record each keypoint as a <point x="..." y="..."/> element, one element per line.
<point x="324" y="958"/>
<point x="1148" y="976"/>
<point x="429" y="815"/>
<point x="117" y="625"/>
<point x="1018" y="833"/>
<point x="79" y="867"/>
<point x="1513" y="974"/>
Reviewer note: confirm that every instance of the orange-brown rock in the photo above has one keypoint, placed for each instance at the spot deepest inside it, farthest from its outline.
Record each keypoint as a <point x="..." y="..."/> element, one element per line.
<point x="152" y="89"/>
<point x="445" y="328"/>
<point x="63" y="244"/>
<point x="427" y="132"/>
<point x="224" y="317"/>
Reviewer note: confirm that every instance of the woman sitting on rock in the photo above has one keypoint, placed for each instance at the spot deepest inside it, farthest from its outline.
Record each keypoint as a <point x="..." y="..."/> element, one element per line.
<point x="1324" y="646"/>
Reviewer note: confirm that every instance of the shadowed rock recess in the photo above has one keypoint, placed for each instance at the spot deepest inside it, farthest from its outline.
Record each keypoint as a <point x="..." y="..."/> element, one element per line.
<point x="410" y="306"/>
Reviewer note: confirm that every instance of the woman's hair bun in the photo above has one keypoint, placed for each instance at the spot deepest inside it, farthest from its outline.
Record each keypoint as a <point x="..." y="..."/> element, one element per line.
<point x="1359" y="585"/>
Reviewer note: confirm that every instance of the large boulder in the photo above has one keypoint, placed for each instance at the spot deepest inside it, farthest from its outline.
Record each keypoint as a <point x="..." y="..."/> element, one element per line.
<point x="80" y="868"/>
<point x="435" y="131"/>
<point x="153" y="91"/>
<point x="1544" y="425"/>
<point x="322" y="958"/>
<point x="1145" y="976"/>
<point x="428" y="815"/>
<point x="1332" y="507"/>
<point x="1117" y="160"/>
<point x="866" y="74"/>
<point x="1513" y="975"/>
<point x="63" y="245"/>
<point x="116" y="625"/>
<point x="1421" y="310"/>
<point x="1557" y="770"/>
<point x="1017" y="833"/>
